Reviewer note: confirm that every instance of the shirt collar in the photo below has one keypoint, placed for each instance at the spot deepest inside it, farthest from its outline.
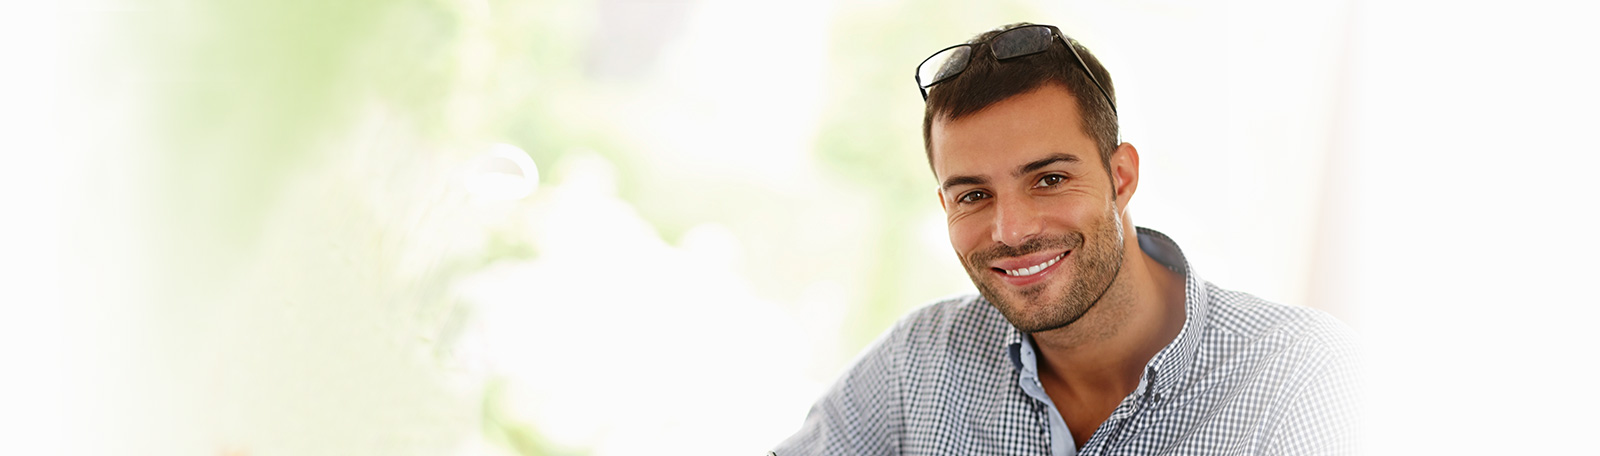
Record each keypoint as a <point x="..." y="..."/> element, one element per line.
<point x="1167" y="368"/>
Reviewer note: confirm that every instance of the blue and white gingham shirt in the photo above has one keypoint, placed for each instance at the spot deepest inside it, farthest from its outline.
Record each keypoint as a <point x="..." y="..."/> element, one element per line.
<point x="1243" y="376"/>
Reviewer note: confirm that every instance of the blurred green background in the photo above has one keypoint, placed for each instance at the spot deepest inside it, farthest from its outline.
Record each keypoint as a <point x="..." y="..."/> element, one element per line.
<point x="309" y="267"/>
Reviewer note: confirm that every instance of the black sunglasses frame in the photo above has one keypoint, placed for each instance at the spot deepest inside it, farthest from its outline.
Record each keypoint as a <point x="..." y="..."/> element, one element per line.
<point x="1055" y="33"/>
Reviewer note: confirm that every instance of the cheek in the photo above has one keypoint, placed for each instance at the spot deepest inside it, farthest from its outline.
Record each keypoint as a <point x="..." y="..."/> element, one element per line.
<point x="967" y="233"/>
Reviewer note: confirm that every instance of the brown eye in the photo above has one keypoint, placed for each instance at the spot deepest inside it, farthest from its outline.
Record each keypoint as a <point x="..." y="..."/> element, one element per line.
<point x="1050" y="180"/>
<point x="972" y="196"/>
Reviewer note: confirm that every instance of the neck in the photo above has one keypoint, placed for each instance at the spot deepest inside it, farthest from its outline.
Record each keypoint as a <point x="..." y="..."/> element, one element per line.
<point x="1105" y="351"/>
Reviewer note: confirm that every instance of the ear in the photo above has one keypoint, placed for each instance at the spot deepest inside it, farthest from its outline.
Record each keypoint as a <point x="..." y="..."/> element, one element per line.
<point x="1124" y="174"/>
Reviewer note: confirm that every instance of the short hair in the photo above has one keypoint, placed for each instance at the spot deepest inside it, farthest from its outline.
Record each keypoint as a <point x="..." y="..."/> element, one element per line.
<point x="987" y="81"/>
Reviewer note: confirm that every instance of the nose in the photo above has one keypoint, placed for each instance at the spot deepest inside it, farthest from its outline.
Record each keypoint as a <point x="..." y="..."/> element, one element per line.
<point x="1016" y="219"/>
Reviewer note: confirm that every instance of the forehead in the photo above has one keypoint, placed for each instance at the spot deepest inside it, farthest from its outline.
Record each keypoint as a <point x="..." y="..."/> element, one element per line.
<point x="1009" y="133"/>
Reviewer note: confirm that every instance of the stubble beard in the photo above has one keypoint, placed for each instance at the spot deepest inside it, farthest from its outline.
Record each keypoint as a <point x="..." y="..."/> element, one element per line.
<point x="1095" y="264"/>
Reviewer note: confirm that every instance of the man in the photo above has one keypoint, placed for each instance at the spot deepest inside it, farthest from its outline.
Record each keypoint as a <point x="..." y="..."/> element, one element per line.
<point x="1088" y="336"/>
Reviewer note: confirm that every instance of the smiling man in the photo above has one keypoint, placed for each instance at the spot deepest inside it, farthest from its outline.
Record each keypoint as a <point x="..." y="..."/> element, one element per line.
<point x="1088" y="336"/>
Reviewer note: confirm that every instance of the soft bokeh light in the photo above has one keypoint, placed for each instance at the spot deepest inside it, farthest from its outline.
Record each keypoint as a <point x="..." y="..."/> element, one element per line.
<point x="664" y="226"/>
<point x="503" y="173"/>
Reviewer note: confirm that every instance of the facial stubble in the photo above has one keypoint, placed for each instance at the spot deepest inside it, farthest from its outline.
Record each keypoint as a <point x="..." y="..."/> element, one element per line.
<point x="1095" y="264"/>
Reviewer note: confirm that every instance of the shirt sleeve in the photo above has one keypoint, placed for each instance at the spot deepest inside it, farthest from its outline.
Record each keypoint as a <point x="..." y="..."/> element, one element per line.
<point x="860" y="414"/>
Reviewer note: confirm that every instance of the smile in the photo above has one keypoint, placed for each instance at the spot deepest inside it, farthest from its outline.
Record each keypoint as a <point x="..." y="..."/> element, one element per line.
<point x="1031" y="270"/>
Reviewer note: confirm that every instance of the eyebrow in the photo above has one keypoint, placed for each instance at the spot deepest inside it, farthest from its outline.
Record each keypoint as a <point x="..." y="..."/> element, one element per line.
<point x="1024" y="169"/>
<point x="1043" y="162"/>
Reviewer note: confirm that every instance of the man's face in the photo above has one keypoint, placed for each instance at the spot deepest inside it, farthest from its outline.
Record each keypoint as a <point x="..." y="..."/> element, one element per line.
<point x="1032" y="213"/>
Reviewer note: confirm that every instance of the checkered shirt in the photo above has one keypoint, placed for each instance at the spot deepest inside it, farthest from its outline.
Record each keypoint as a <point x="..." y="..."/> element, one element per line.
<point x="1243" y="376"/>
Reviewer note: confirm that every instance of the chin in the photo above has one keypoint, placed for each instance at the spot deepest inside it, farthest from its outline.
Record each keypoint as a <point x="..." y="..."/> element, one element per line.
<point x="1032" y="309"/>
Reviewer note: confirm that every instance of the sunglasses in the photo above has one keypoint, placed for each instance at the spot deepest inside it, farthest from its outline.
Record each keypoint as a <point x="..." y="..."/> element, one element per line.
<point x="1018" y="42"/>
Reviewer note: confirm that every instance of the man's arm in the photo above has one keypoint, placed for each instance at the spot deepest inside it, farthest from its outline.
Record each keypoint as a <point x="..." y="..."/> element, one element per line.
<point x="860" y="414"/>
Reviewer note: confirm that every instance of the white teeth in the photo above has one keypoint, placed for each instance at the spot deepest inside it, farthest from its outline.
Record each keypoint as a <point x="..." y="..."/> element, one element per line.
<point x="1028" y="271"/>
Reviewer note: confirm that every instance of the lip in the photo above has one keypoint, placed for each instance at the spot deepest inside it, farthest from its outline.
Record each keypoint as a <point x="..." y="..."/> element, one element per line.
<point x="1028" y="261"/>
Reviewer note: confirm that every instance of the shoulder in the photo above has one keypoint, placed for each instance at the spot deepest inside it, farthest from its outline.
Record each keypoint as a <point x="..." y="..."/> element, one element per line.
<point x="1289" y="350"/>
<point x="904" y="372"/>
<point x="963" y="333"/>
<point x="966" y="320"/>
<point x="952" y="312"/>
<point x="1246" y="318"/>
<point x="1304" y="359"/>
<point x="931" y="329"/>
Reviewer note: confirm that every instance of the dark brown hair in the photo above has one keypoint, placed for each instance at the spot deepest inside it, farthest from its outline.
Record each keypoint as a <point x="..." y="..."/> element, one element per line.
<point x="986" y="81"/>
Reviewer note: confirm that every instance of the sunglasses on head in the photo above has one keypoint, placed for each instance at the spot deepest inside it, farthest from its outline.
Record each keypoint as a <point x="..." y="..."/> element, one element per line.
<point x="1018" y="42"/>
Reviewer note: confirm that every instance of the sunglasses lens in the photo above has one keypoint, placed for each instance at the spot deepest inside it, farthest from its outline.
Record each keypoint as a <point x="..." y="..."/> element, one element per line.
<point x="1021" y="41"/>
<point x="944" y="65"/>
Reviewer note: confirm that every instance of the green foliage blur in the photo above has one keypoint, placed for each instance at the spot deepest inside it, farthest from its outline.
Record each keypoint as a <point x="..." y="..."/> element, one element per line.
<point x="290" y="184"/>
